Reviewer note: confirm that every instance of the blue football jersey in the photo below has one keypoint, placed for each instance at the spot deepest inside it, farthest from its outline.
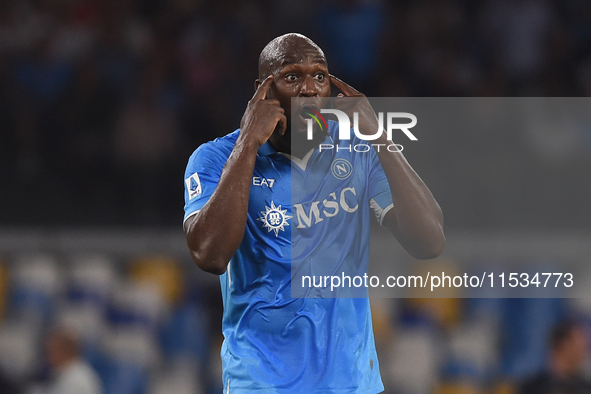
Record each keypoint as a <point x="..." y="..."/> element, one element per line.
<point x="308" y="216"/>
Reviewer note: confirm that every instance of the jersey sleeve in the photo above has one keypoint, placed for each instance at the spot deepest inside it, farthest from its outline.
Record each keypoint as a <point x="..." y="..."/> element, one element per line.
<point x="201" y="177"/>
<point x="380" y="196"/>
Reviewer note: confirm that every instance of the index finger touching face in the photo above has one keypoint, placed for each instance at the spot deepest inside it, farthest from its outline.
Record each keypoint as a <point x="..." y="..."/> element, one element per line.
<point x="347" y="89"/>
<point x="261" y="92"/>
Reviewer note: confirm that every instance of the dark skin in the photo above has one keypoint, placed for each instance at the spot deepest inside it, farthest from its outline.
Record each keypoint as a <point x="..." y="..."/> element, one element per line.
<point x="215" y="233"/>
<point x="416" y="219"/>
<point x="301" y="72"/>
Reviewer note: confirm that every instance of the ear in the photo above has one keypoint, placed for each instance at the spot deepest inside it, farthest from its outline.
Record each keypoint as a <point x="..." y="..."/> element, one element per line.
<point x="257" y="83"/>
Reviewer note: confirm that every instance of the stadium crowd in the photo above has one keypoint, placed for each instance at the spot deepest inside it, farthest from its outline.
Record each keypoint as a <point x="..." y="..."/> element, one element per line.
<point x="101" y="102"/>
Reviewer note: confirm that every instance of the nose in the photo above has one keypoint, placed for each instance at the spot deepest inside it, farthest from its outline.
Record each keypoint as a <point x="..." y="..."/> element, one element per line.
<point x="309" y="87"/>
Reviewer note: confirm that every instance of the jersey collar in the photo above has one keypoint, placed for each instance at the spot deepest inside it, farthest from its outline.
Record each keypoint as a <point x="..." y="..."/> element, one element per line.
<point x="303" y="162"/>
<point x="266" y="149"/>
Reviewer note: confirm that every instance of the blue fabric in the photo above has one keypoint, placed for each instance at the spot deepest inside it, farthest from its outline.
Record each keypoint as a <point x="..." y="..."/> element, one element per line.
<point x="273" y="342"/>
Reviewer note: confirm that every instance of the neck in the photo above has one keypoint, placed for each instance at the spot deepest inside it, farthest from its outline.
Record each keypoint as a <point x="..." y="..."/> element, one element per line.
<point x="298" y="148"/>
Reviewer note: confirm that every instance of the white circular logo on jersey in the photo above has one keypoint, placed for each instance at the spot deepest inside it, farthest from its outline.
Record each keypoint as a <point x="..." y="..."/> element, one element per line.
<point x="274" y="218"/>
<point x="341" y="169"/>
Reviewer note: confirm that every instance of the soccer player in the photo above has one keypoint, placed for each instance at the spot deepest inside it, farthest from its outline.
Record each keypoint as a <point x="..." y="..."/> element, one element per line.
<point x="242" y="222"/>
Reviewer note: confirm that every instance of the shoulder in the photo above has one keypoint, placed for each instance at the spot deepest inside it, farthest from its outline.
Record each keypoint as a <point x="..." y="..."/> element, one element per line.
<point x="218" y="149"/>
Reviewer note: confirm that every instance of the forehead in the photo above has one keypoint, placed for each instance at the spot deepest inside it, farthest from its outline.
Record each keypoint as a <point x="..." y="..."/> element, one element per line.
<point x="297" y="52"/>
<point x="300" y="57"/>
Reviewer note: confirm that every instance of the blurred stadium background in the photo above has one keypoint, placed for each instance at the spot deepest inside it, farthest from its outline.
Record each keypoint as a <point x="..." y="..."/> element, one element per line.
<point x="102" y="102"/>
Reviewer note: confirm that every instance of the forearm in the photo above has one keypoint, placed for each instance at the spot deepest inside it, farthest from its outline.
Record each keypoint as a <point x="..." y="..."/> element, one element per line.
<point x="417" y="219"/>
<point x="216" y="231"/>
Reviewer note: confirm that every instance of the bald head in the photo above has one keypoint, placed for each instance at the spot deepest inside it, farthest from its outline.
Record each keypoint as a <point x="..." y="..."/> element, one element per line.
<point x="288" y="49"/>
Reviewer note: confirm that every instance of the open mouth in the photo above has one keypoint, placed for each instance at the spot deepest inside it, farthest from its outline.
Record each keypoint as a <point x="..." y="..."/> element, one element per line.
<point x="306" y="110"/>
<point x="312" y="112"/>
<point x="311" y="107"/>
<point x="303" y="117"/>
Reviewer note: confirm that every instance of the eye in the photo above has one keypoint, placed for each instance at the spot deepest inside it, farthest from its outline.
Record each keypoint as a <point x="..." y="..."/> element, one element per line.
<point x="291" y="77"/>
<point x="320" y="76"/>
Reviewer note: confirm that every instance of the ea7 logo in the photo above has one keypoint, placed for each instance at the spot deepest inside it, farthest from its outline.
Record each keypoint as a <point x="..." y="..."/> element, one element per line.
<point x="331" y="207"/>
<point x="259" y="181"/>
<point x="345" y="124"/>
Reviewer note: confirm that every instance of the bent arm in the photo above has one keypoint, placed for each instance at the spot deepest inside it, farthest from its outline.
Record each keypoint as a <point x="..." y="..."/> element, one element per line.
<point x="416" y="219"/>
<point x="215" y="232"/>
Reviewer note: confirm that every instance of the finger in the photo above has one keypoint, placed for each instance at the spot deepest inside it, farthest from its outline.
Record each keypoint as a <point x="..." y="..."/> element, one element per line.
<point x="347" y="89"/>
<point x="276" y="104"/>
<point x="273" y="102"/>
<point x="283" y="124"/>
<point x="262" y="90"/>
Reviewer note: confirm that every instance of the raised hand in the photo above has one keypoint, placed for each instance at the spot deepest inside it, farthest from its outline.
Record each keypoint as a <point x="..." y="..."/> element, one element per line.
<point x="353" y="101"/>
<point x="262" y="115"/>
<point x="348" y="90"/>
